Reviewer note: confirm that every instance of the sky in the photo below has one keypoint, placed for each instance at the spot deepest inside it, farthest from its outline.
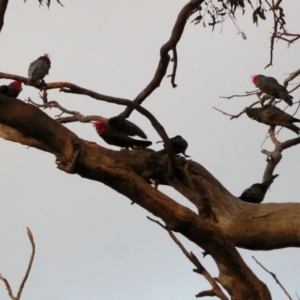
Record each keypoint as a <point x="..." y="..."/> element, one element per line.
<point x="90" y="242"/>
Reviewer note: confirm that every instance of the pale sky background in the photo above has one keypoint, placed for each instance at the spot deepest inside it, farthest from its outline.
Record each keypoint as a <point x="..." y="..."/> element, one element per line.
<point x="90" y="242"/>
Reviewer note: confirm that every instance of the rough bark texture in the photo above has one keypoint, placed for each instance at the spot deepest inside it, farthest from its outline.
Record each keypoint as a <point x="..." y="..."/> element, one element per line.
<point x="220" y="221"/>
<point x="223" y="220"/>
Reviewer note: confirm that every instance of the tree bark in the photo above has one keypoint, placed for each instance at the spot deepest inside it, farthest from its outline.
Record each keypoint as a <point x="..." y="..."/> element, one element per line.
<point x="3" y="6"/>
<point x="223" y="220"/>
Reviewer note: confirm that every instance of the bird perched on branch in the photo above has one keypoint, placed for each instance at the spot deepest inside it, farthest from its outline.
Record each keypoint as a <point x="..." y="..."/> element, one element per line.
<point x="117" y="131"/>
<point x="39" y="68"/>
<point x="12" y="90"/>
<point x="179" y="145"/>
<point x="271" y="86"/>
<point x="255" y="193"/>
<point x="273" y="116"/>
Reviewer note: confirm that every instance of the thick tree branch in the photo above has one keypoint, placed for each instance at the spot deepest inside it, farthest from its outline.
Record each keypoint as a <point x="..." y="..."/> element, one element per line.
<point x="100" y="164"/>
<point x="75" y="89"/>
<point x="3" y="6"/>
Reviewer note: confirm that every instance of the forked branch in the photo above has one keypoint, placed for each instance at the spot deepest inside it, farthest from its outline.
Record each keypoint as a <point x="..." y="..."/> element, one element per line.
<point x="8" y="287"/>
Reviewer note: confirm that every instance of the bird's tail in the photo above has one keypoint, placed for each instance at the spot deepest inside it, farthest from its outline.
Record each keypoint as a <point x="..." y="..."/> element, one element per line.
<point x="142" y="144"/>
<point x="293" y="127"/>
<point x="295" y="120"/>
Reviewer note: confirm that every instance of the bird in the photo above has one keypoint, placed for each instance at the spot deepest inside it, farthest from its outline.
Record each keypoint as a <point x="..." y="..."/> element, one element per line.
<point x="179" y="145"/>
<point x="273" y="116"/>
<point x="12" y="90"/>
<point x="117" y="131"/>
<point x="271" y="86"/>
<point x="255" y="193"/>
<point x="39" y="68"/>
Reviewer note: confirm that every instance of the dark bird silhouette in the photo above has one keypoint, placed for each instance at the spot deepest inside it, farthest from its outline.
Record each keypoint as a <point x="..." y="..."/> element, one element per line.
<point x="254" y="194"/>
<point x="12" y="90"/>
<point x="179" y="145"/>
<point x="39" y="68"/>
<point x="273" y="116"/>
<point x="117" y="131"/>
<point x="271" y="86"/>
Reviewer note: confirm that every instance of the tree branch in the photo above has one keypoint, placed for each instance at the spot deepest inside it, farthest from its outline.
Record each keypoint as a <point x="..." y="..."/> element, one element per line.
<point x="75" y="89"/>
<point x="165" y="57"/>
<point x="9" y="290"/>
<point x="216" y="291"/>
<point x="96" y="163"/>
<point x="3" y="7"/>
<point x="29" y="265"/>
<point x="275" y="278"/>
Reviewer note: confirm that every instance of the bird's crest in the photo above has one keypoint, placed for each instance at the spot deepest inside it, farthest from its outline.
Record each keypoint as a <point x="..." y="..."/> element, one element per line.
<point x="17" y="84"/>
<point x="46" y="58"/>
<point x="100" y="126"/>
<point x="255" y="78"/>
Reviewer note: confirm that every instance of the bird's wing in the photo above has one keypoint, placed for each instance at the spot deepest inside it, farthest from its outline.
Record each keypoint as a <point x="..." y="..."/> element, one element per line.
<point x="254" y="113"/>
<point x="3" y="89"/>
<point x="275" y="115"/>
<point x="122" y="125"/>
<point x="31" y="70"/>
<point x="179" y="141"/>
<point x="272" y="80"/>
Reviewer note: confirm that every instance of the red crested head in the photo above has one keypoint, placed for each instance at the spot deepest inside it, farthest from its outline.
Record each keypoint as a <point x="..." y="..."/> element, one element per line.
<point x="255" y="79"/>
<point x="100" y="126"/>
<point x="17" y="84"/>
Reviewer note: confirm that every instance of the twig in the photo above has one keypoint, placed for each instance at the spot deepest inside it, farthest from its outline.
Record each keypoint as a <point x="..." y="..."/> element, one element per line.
<point x="227" y="114"/>
<point x="275" y="278"/>
<point x="9" y="290"/>
<point x="216" y="291"/>
<point x="7" y="285"/>
<point x="29" y="265"/>
<point x="48" y="2"/>
<point x="237" y="115"/>
<point x="245" y="95"/>
<point x="295" y="88"/>
<point x="175" y="61"/>
<point x="55" y="104"/>
<point x="279" y="30"/>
